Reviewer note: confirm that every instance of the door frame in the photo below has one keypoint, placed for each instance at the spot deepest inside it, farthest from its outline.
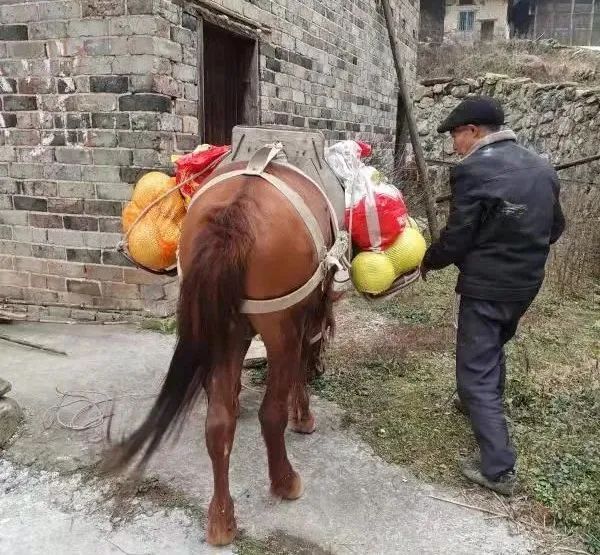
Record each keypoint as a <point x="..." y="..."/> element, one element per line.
<point x="252" y="99"/>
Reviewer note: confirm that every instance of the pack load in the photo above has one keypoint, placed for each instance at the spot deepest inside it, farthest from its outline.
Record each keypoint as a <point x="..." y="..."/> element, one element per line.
<point x="153" y="219"/>
<point x="389" y="242"/>
<point x="201" y="163"/>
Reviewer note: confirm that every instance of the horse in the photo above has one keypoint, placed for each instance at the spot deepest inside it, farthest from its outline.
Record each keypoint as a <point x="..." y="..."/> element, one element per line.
<point x="244" y="242"/>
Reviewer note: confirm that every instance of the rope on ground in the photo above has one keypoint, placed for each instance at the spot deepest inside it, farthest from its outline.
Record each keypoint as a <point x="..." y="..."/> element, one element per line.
<point x="94" y="408"/>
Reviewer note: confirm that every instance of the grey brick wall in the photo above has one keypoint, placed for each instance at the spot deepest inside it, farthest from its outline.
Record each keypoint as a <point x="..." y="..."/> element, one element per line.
<point x="328" y="65"/>
<point x="95" y="93"/>
<point x="88" y="102"/>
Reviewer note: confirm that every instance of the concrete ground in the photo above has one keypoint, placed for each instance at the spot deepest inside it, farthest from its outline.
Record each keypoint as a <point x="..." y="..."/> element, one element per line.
<point x="52" y="502"/>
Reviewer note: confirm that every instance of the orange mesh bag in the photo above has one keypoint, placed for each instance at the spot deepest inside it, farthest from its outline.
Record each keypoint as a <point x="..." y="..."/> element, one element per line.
<point x="153" y="238"/>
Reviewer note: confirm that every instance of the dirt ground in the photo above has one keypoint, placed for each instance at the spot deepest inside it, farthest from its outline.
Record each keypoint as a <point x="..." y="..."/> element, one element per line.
<point x="54" y="501"/>
<point x="381" y="473"/>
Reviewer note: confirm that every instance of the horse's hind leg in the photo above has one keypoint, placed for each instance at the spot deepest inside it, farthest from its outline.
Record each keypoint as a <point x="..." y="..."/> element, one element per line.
<point x="301" y="419"/>
<point x="283" y="339"/>
<point x="222" y="390"/>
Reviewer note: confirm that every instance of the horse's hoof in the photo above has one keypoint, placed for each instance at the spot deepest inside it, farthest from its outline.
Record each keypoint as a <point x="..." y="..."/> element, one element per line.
<point x="306" y="426"/>
<point x="291" y="488"/>
<point x="221" y="527"/>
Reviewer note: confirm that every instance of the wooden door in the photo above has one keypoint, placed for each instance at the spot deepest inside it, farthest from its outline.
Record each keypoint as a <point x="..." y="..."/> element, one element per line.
<point x="229" y="94"/>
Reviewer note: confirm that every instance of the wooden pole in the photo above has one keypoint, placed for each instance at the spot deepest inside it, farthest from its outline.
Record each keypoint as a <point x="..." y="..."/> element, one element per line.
<point x="412" y="123"/>
<point x="558" y="167"/>
<point x="578" y="162"/>
<point x="401" y="137"/>
<point x="200" y="69"/>
<point x="591" y="38"/>
<point x="572" y="28"/>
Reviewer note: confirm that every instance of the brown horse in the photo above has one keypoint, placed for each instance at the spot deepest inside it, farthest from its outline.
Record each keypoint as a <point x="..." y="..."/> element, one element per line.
<point x="242" y="240"/>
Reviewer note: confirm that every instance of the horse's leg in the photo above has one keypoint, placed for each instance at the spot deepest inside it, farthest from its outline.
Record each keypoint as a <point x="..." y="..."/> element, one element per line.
<point x="238" y="385"/>
<point x="283" y="340"/>
<point x="238" y="390"/>
<point x="301" y="419"/>
<point x="222" y="391"/>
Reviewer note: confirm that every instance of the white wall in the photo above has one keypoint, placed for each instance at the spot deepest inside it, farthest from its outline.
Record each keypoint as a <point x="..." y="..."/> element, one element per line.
<point x="495" y="10"/>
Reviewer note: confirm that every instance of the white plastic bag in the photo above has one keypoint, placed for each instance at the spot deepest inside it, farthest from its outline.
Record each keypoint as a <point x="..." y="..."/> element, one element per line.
<point x="375" y="210"/>
<point x="344" y="159"/>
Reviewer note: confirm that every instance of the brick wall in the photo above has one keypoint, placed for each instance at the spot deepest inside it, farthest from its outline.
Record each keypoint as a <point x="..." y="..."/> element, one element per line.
<point x="328" y="65"/>
<point x="95" y="92"/>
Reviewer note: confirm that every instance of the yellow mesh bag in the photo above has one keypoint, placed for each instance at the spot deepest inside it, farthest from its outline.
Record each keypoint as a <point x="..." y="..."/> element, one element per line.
<point x="153" y="240"/>
<point x="407" y="252"/>
<point x="372" y="272"/>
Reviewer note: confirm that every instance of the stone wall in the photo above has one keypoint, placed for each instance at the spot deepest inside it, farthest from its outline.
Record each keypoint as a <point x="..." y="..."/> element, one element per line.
<point x="93" y="93"/>
<point x="560" y="122"/>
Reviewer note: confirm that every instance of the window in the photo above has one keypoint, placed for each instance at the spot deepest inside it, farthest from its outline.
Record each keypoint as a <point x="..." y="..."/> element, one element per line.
<point x="466" y="21"/>
<point x="466" y="2"/>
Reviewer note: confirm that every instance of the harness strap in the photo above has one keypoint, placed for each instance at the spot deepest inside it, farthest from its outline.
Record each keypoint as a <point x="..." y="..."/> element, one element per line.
<point x="334" y="221"/>
<point x="287" y="301"/>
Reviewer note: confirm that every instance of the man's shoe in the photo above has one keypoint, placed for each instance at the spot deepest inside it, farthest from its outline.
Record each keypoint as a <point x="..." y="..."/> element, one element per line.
<point x="460" y="406"/>
<point x="505" y="484"/>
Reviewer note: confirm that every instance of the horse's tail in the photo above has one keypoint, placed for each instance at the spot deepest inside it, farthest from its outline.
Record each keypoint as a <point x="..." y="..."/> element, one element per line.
<point x="209" y="306"/>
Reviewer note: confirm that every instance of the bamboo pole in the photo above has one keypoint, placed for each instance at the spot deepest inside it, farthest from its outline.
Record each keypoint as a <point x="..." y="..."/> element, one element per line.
<point x="557" y="167"/>
<point x="412" y="123"/>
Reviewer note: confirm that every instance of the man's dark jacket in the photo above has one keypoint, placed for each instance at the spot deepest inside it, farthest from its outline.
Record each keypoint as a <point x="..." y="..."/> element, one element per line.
<point x="504" y="215"/>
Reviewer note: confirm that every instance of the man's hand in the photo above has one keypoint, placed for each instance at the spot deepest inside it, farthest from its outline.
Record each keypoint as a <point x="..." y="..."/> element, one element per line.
<point x="424" y="271"/>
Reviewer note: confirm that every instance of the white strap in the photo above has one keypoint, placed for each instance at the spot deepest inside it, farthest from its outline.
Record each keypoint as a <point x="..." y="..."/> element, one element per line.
<point x="262" y="158"/>
<point x="287" y="301"/>
<point x="303" y="210"/>
<point x="334" y="220"/>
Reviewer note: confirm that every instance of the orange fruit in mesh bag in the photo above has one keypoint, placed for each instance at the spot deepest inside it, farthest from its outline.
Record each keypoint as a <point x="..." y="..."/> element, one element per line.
<point x="153" y="240"/>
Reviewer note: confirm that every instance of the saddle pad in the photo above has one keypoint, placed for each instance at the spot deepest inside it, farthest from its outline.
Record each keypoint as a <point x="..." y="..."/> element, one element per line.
<point x="303" y="148"/>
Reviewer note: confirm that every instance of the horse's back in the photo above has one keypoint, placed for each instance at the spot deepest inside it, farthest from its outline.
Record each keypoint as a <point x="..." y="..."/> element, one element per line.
<point x="283" y="255"/>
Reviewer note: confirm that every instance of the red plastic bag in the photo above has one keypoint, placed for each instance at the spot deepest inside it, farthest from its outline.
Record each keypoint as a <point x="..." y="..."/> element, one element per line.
<point x="379" y="216"/>
<point x="204" y="159"/>
<point x="365" y="149"/>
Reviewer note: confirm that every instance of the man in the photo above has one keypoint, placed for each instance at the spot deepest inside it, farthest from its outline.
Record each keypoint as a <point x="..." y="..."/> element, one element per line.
<point x="504" y="215"/>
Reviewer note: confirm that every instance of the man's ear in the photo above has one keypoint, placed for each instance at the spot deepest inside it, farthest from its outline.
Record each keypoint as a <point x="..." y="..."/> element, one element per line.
<point x="478" y="132"/>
